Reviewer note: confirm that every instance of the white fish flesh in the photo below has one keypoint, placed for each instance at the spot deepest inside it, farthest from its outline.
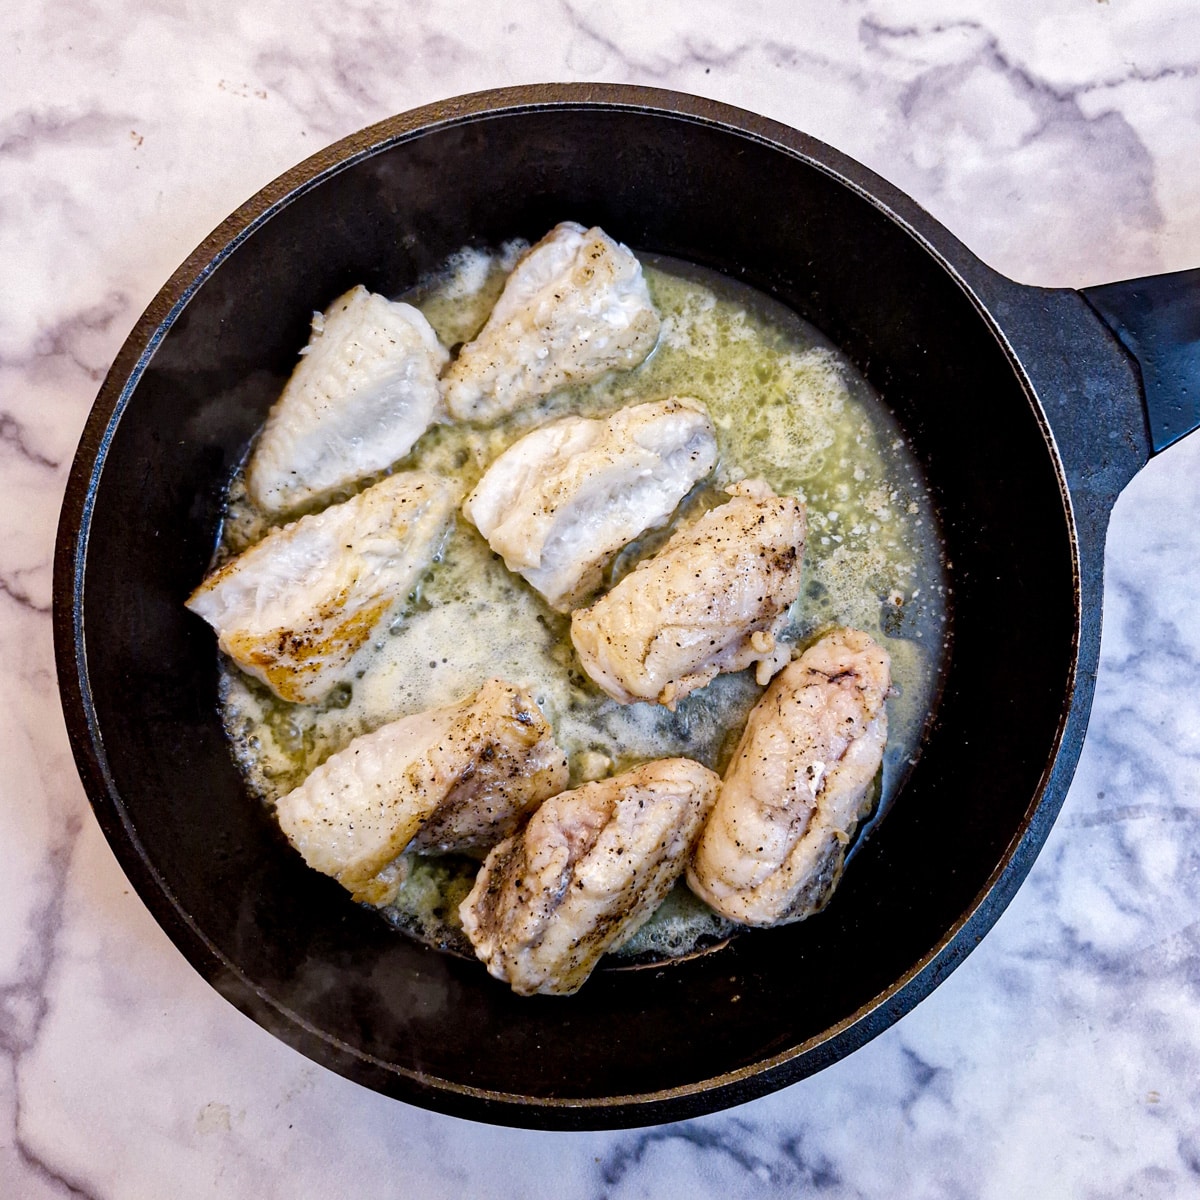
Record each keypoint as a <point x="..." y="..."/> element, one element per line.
<point x="575" y="307"/>
<point x="364" y="391"/>
<point x="715" y="598"/>
<point x="295" y="608"/>
<point x="463" y="776"/>
<point x="794" y="791"/>
<point x="561" y="501"/>
<point x="588" y="869"/>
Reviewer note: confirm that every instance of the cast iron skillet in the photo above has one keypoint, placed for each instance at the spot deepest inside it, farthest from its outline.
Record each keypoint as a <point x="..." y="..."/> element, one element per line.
<point x="1025" y="409"/>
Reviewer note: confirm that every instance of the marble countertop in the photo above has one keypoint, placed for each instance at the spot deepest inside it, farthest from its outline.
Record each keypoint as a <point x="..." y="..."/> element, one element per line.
<point x="1059" y="142"/>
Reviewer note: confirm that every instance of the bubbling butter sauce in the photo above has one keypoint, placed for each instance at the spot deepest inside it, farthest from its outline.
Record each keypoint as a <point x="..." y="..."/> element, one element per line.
<point x="787" y="408"/>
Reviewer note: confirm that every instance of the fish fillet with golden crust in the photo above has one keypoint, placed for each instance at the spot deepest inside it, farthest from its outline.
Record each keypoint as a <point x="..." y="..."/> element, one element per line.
<point x="295" y="608"/>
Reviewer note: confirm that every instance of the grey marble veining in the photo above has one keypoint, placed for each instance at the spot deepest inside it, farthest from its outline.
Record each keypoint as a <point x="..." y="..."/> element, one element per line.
<point x="1059" y="142"/>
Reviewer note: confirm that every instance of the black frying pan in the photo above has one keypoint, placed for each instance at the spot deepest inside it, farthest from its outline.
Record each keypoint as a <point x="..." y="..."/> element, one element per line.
<point x="1024" y="406"/>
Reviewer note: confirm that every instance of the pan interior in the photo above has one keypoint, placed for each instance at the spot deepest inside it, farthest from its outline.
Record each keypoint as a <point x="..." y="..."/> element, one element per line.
<point x="286" y="943"/>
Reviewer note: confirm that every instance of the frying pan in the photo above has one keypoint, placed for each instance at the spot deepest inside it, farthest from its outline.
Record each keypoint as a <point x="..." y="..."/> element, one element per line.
<point x="1028" y="409"/>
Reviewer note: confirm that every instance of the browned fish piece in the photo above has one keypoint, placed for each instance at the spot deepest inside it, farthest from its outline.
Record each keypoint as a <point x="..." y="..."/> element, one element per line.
<point x="587" y="870"/>
<point x="772" y="850"/>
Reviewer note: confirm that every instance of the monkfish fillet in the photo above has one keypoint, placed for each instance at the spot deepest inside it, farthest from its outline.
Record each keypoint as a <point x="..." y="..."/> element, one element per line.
<point x="773" y="849"/>
<point x="587" y="870"/>
<point x="295" y="608"/>
<point x="452" y="778"/>
<point x="560" y="502"/>
<point x="365" y="389"/>
<point x="575" y="306"/>
<point x="713" y="599"/>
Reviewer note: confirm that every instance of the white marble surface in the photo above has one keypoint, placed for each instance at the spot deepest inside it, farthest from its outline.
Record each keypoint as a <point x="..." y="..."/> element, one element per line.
<point x="1059" y="140"/>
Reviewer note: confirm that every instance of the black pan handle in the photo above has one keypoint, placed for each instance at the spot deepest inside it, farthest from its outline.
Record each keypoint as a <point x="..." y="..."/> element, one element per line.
<point x="1116" y="372"/>
<point x="1157" y="319"/>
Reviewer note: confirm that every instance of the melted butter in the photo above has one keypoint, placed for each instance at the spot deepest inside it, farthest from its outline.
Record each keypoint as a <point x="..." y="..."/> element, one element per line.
<point x="787" y="408"/>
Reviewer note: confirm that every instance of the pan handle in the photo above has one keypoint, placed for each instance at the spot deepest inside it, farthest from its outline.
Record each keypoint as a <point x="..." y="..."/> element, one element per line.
<point x="1157" y="319"/>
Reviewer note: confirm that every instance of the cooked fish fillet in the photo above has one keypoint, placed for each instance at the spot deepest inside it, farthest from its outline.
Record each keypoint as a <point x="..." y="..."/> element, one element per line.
<point x="772" y="850"/>
<point x="365" y="389"/>
<point x="713" y="599"/>
<point x="574" y="307"/>
<point x="559" y="503"/>
<point x="295" y="608"/>
<point x="587" y="870"/>
<point x="452" y="778"/>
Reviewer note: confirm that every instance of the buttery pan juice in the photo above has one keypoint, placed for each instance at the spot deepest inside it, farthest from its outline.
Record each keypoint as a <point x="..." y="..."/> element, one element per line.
<point x="788" y="409"/>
